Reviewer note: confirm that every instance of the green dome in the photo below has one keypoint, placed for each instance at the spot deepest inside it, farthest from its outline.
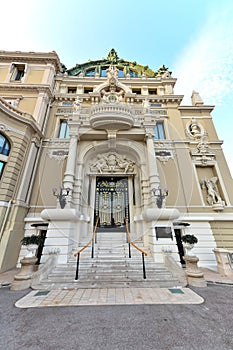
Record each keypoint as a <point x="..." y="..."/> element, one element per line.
<point x="126" y="68"/>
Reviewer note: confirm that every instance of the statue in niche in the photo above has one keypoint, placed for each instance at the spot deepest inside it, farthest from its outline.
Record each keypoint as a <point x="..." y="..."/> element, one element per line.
<point x="77" y="105"/>
<point x="146" y="105"/>
<point x="213" y="196"/>
<point x="194" y="129"/>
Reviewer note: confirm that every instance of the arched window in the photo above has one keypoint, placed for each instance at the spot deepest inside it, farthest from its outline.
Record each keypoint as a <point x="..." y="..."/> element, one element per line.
<point x="4" y="152"/>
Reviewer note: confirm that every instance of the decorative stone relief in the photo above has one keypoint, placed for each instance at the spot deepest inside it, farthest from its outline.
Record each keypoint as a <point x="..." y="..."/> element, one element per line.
<point x="58" y="155"/>
<point x="111" y="162"/>
<point x="163" y="156"/>
<point x="213" y="197"/>
<point x="4" y="128"/>
<point x="195" y="130"/>
<point x="203" y="153"/>
<point x="58" y="150"/>
<point x="162" y="152"/>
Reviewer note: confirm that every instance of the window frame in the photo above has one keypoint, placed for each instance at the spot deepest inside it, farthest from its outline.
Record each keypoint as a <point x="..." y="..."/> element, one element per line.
<point x="64" y="131"/>
<point x="158" y="130"/>
<point x="4" y="152"/>
<point x="17" y="67"/>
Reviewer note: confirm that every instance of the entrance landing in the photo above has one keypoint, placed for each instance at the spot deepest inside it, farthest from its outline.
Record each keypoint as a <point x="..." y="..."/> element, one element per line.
<point x="109" y="296"/>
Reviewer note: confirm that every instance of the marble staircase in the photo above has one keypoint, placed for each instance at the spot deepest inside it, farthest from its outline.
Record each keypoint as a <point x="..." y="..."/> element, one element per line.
<point x="111" y="267"/>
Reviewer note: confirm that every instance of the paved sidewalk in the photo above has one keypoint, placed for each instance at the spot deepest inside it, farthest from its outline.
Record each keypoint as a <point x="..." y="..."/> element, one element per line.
<point x="109" y="296"/>
<point x="112" y="296"/>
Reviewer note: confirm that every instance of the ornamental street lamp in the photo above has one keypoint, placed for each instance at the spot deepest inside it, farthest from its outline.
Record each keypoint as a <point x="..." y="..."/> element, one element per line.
<point x="160" y="195"/>
<point x="61" y="196"/>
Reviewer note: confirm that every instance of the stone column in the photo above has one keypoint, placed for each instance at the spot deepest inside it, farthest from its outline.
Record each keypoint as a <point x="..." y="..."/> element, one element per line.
<point x="71" y="161"/>
<point x="152" y="163"/>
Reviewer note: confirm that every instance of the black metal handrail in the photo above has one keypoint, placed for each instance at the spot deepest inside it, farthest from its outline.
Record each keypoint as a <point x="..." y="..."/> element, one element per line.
<point x="131" y="243"/>
<point x="92" y="242"/>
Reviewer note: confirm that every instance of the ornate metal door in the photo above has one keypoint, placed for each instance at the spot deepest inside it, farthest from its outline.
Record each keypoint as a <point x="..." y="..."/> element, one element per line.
<point x="112" y="203"/>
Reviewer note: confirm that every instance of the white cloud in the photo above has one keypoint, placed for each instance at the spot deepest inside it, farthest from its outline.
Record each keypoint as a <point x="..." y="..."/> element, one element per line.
<point x="206" y="64"/>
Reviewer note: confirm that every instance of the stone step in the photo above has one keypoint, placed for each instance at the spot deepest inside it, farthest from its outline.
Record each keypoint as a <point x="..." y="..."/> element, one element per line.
<point x="45" y="285"/>
<point x="111" y="267"/>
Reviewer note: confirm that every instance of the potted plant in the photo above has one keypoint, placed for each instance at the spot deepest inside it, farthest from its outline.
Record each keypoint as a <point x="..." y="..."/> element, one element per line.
<point x="189" y="241"/>
<point x="31" y="243"/>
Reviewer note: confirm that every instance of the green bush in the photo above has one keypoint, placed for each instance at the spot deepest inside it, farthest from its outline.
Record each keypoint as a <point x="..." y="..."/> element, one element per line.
<point x="191" y="239"/>
<point x="34" y="239"/>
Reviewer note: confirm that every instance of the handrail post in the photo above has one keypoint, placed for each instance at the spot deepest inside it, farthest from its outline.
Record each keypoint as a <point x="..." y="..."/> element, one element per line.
<point x="143" y="266"/>
<point x="92" y="248"/>
<point x="77" y="267"/>
<point x="129" y="250"/>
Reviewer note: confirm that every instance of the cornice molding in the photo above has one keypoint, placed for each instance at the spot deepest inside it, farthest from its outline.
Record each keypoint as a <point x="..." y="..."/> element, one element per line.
<point x="208" y="108"/>
<point x="26" y="87"/>
<point x="20" y="116"/>
<point x="36" y="57"/>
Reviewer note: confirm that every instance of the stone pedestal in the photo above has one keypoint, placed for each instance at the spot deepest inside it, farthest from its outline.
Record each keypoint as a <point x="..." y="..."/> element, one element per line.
<point x="62" y="230"/>
<point x="223" y="258"/>
<point x="23" y="279"/>
<point x="194" y="276"/>
<point x="160" y="217"/>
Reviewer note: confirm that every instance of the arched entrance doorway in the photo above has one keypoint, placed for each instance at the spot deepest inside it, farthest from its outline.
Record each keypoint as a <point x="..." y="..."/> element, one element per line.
<point x="112" y="201"/>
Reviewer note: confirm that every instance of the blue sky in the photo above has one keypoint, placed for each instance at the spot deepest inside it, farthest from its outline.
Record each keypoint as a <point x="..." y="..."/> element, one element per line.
<point x="194" y="38"/>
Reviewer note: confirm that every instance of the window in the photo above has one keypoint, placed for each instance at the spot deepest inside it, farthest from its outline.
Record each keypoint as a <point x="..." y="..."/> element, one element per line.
<point x="4" y="146"/>
<point x="4" y="152"/>
<point x="136" y="91"/>
<point x="159" y="131"/>
<point x="152" y="91"/>
<point x="103" y="72"/>
<point x="156" y="105"/>
<point x="18" y="71"/>
<point x="90" y="73"/>
<point x="87" y="90"/>
<point x="63" y="130"/>
<point x="2" y="164"/>
<point x="121" y="73"/>
<point x="72" y="90"/>
<point x="133" y="74"/>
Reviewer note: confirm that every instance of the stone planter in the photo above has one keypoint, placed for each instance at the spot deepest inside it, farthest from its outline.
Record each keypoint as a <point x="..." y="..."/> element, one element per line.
<point x="188" y="247"/>
<point x="31" y="250"/>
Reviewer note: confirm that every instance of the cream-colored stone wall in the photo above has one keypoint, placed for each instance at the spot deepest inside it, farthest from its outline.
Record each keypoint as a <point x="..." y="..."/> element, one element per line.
<point x="223" y="233"/>
<point x="49" y="175"/>
<point x="3" y="72"/>
<point x="34" y="76"/>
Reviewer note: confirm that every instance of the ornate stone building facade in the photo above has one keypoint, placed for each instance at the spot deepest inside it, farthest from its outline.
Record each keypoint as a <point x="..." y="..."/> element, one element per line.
<point x="115" y="137"/>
